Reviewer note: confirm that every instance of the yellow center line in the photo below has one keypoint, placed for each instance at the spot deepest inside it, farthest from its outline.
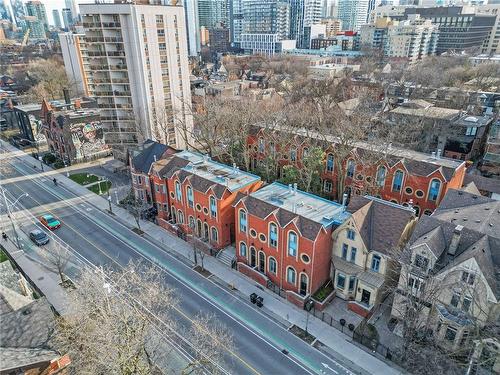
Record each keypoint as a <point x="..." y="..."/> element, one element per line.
<point x="119" y="265"/>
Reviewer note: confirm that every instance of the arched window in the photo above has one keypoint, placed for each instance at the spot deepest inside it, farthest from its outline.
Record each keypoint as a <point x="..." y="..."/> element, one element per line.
<point x="205" y="231"/>
<point x="213" y="207"/>
<point x="305" y="152"/>
<point x="329" y="163"/>
<point x="174" y="216"/>
<point x="434" y="187"/>
<point x="215" y="235"/>
<point x="178" y="192"/>
<point x="243" y="220"/>
<point x="262" y="145"/>
<point x="350" y="168"/>
<point x="304" y="283"/>
<point x="273" y="235"/>
<point x="180" y="217"/>
<point x="190" y="197"/>
<point x="397" y="181"/>
<point x="292" y="243"/>
<point x="272" y="149"/>
<point x="272" y="266"/>
<point x="191" y="222"/>
<point x="293" y="154"/>
<point x="262" y="262"/>
<point x="381" y="172"/>
<point x="199" y="227"/>
<point x="291" y="275"/>
<point x="243" y="249"/>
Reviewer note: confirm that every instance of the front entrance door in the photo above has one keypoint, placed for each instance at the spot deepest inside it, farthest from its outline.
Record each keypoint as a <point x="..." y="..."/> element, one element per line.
<point x="198" y="228"/>
<point x="253" y="257"/>
<point x="205" y="231"/>
<point x="303" y="285"/>
<point x="365" y="297"/>
<point x="262" y="262"/>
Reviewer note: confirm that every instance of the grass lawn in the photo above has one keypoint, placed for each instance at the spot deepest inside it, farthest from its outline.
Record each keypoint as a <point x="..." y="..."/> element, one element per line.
<point x="3" y="257"/>
<point x="105" y="186"/>
<point x="82" y="179"/>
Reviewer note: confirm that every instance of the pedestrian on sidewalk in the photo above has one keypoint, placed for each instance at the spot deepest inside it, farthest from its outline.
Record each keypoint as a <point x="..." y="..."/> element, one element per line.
<point x="4" y="236"/>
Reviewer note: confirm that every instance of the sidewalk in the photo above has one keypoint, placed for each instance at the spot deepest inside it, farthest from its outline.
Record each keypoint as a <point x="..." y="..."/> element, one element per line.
<point x="327" y="335"/>
<point x="45" y="281"/>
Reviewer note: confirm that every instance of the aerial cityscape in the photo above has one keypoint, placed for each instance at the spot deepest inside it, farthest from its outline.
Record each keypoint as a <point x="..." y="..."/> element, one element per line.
<point x="250" y="187"/>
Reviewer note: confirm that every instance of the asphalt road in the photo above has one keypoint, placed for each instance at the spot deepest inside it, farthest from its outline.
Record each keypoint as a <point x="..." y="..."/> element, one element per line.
<point x="102" y="240"/>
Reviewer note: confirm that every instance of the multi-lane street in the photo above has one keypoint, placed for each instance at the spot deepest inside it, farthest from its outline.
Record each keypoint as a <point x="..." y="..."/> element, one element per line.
<point x="102" y="240"/>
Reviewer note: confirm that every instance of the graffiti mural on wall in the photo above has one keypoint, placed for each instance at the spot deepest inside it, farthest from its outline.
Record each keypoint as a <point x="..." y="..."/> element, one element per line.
<point x="88" y="139"/>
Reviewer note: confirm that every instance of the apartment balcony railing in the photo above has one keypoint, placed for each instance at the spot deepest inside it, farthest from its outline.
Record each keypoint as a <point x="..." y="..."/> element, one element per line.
<point x="120" y="80"/>
<point x="108" y="39"/>
<point x="111" y="24"/>
<point x="91" y="24"/>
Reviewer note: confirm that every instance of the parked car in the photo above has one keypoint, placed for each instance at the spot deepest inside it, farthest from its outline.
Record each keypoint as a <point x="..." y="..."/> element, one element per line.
<point x="50" y="222"/>
<point x="39" y="237"/>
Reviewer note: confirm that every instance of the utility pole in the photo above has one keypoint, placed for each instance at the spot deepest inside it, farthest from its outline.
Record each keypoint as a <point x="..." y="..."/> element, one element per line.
<point x="9" y="215"/>
<point x="109" y="202"/>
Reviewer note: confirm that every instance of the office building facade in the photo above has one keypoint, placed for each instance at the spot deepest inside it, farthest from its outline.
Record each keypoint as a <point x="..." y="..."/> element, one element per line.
<point x="37" y="9"/>
<point x="303" y="14"/>
<point x="57" y="18"/>
<point x="137" y="56"/>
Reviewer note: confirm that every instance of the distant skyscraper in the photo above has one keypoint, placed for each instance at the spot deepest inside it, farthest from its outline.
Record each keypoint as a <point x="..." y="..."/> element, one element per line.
<point x="304" y="13"/>
<point x="57" y="18"/>
<point x="137" y="66"/>
<point x="211" y="13"/>
<point x="264" y="24"/>
<point x="353" y="13"/>
<point x="67" y="18"/>
<point x="192" y="26"/>
<point x="5" y="11"/>
<point x="71" y="4"/>
<point x="236" y="21"/>
<point x="36" y="9"/>
<point x="18" y="12"/>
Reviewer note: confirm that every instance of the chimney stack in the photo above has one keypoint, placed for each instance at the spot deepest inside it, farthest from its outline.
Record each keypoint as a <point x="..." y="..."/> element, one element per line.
<point x="438" y="154"/>
<point x="455" y="239"/>
<point x="290" y="189"/>
<point x="294" y="188"/>
<point x="433" y="153"/>
<point x="154" y="157"/>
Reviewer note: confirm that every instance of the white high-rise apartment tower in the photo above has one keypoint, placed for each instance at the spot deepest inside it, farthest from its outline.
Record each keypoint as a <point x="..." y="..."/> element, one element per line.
<point x="137" y="68"/>
<point x="353" y="13"/>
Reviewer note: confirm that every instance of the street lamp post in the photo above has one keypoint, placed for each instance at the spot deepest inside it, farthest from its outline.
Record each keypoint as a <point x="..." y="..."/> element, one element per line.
<point x="109" y="202"/>
<point x="9" y="214"/>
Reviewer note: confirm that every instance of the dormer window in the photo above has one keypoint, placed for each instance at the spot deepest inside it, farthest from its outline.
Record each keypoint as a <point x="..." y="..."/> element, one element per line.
<point x="421" y="262"/>
<point x="351" y="234"/>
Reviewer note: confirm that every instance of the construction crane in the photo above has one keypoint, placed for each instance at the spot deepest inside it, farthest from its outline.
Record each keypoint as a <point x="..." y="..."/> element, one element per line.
<point x="25" y="39"/>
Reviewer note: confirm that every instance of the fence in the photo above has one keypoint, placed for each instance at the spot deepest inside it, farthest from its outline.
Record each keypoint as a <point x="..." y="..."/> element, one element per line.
<point x="376" y="346"/>
<point x="330" y="320"/>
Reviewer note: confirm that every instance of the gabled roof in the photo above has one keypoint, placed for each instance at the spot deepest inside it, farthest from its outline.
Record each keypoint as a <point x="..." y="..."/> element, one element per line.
<point x="470" y="210"/>
<point x="151" y="151"/>
<point x="381" y="223"/>
<point x="491" y="185"/>
<point x="437" y="235"/>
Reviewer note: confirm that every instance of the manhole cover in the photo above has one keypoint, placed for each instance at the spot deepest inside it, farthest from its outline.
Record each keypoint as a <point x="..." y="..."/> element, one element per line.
<point x="40" y="278"/>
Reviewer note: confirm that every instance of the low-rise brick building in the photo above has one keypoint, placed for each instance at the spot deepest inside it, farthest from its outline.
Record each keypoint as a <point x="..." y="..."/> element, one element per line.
<point x="283" y="239"/>
<point x="198" y="196"/>
<point x="401" y="176"/>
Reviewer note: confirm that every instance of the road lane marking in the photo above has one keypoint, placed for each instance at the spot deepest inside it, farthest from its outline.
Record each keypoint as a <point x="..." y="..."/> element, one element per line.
<point x="178" y="278"/>
<point x="155" y="262"/>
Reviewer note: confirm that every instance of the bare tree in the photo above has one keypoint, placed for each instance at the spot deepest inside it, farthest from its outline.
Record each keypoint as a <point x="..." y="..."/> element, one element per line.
<point x="58" y="258"/>
<point x="113" y="324"/>
<point x="49" y="79"/>
<point x="136" y="207"/>
<point x="211" y="340"/>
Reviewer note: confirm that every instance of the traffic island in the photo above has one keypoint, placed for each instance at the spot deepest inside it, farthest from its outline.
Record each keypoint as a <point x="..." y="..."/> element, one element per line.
<point x="303" y="335"/>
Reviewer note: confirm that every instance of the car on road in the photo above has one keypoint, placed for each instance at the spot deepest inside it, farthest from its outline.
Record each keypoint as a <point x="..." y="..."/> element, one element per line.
<point x="50" y="222"/>
<point x="39" y="237"/>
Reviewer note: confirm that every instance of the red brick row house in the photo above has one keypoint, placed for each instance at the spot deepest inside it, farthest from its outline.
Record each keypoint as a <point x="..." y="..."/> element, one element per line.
<point x="194" y="196"/>
<point x="141" y="163"/>
<point x="284" y="238"/>
<point x="401" y="176"/>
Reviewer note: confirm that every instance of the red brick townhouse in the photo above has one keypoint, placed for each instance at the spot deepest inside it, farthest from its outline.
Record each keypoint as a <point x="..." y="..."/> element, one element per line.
<point x="401" y="176"/>
<point x="199" y="196"/>
<point x="284" y="238"/>
<point x="140" y="168"/>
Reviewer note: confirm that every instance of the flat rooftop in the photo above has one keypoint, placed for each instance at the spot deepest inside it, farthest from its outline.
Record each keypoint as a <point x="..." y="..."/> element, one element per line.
<point x="431" y="112"/>
<point x="304" y="204"/>
<point x="231" y="177"/>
